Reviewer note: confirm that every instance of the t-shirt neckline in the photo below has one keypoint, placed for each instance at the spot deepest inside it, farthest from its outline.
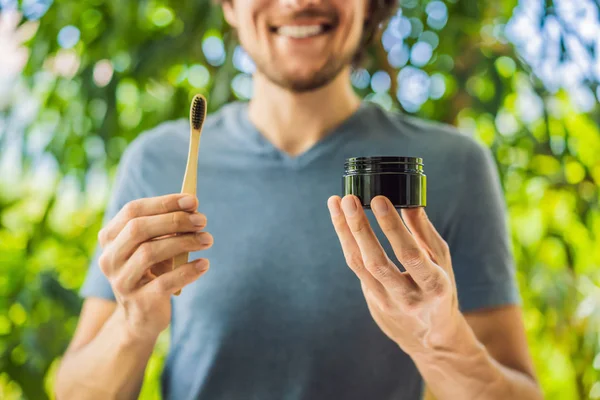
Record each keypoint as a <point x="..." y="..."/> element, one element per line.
<point x="345" y="131"/>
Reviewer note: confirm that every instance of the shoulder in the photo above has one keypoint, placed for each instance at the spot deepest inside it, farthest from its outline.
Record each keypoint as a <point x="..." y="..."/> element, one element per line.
<point x="172" y="137"/>
<point x="443" y="143"/>
<point x="455" y="163"/>
<point x="166" y="134"/>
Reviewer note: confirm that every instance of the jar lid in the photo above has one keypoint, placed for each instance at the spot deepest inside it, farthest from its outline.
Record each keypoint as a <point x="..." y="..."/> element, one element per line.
<point x="386" y="159"/>
<point x="383" y="164"/>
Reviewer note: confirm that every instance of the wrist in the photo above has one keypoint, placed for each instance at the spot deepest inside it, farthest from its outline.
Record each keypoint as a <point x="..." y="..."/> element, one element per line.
<point x="462" y="353"/>
<point x="132" y="335"/>
<point x="458" y="340"/>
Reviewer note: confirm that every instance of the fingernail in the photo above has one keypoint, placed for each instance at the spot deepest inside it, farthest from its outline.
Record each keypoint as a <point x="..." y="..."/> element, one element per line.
<point x="186" y="202"/>
<point x="349" y="206"/>
<point x="379" y="205"/>
<point x="201" y="265"/>
<point x="204" y="238"/>
<point x="197" y="219"/>
<point x="334" y="207"/>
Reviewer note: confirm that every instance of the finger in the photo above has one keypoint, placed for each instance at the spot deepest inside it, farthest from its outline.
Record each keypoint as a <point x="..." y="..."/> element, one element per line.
<point x="426" y="235"/>
<point x="163" y="266"/>
<point x="424" y="272"/>
<point x="142" y="229"/>
<point x="428" y="238"/>
<point x="350" y="247"/>
<point x="144" y="207"/>
<point x="374" y="257"/>
<point x="177" y="279"/>
<point x="153" y="252"/>
<point x="148" y="276"/>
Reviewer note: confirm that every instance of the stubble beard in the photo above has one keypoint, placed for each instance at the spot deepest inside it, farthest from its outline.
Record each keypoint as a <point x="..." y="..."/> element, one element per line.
<point x="318" y="79"/>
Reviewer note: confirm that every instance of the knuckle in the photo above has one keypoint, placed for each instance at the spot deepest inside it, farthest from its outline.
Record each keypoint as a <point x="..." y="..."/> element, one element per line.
<point x="388" y="225"/>
<point x="436" y="287"/>
<point x="413" y="257"/>
<point x="175" y="220"/>
<point x="131" y="209"/>
<point x="102" y="237"/>
<point x="145" y="253"/>
<point x="134" y="228"/>
<point x="386" y="305"/>
<point x="119" y="285"/>
<point x="338" y="223"/>
<point x="412" y="302"/>
<point x="359" y="227"/>
<point x="164" y="203"/>
<point x="103" y="262"/>
<point x="380" y="271"/>
<point x="379" y="268"/>
<point x="162" y="285"/>
<point x="354" y="260"/>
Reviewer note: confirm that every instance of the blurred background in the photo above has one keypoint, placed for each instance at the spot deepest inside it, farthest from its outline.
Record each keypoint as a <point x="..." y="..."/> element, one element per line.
<point x="80" y="79"/>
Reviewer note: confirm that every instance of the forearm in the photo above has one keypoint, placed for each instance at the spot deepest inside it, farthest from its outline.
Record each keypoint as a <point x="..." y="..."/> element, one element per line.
<point x="111" y="366"/>
<point x="467" y="371"/>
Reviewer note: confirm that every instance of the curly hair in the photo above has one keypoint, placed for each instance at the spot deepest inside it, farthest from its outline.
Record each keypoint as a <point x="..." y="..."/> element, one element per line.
<point x="379" y="12"/>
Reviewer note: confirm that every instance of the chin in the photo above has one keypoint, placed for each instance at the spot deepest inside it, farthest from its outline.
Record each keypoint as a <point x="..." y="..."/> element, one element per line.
<point x="300" y="77"/>
<point x="302" y="74"/>
<point x="304" y="82"/>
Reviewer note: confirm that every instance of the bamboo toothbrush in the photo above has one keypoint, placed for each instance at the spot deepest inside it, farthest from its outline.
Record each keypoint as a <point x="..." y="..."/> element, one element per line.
<point x="197" y="116"/>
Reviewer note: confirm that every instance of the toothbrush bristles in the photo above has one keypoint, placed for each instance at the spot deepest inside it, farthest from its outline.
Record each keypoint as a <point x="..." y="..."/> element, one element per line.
<point x="198" y="111"/>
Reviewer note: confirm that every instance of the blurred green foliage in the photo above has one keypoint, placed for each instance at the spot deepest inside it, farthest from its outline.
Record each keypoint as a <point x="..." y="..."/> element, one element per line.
<point x="80" y="79"/>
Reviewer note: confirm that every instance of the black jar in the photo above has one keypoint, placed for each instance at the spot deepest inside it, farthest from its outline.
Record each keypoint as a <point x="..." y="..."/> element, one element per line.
<point x="400" y="179"/>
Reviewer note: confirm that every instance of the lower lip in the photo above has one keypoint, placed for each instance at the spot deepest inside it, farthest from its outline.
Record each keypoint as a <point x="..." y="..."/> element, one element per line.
<point x="304" y="39"/>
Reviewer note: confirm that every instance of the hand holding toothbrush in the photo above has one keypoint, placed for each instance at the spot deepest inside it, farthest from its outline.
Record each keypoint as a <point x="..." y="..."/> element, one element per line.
<point x="139" y="245"/>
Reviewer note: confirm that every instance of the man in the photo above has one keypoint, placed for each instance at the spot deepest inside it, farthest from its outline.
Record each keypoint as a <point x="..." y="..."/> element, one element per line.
<point x="280" y="315"/>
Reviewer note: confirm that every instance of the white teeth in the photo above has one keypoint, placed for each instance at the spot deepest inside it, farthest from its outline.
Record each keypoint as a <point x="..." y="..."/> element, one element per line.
<point x="300" y="31"/>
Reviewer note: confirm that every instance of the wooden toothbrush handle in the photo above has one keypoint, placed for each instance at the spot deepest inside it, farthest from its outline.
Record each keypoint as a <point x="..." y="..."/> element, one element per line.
<point x="189" y="187"/>
<point x="179" y="260"/>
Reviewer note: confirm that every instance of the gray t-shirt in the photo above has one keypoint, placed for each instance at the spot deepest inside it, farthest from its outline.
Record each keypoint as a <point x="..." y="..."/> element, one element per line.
<point x="279" y="315"/>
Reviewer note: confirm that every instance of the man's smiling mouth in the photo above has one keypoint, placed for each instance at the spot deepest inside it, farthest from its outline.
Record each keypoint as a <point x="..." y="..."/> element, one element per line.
<point x="301" y="31"/>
